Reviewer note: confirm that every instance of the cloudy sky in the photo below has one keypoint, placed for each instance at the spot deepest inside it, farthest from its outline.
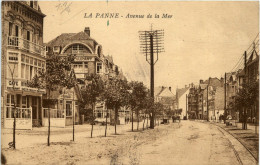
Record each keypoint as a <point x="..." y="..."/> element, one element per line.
<point x="202" y="39"/>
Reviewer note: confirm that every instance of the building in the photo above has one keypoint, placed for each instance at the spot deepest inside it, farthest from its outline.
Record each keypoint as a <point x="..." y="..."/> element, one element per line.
<point x="89" y="60"/>
<point x="182" y="101"/>
<point x="165" y="96"/>
<point x="202" y="99"/>
<point x="23" y="55"/>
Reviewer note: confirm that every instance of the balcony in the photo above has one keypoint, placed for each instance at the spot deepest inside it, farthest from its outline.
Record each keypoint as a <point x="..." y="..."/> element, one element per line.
<point x="21" y="43"/>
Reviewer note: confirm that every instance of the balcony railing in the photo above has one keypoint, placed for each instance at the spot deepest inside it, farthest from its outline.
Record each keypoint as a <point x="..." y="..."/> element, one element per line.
<point x="21" y="113"/>
<point x="26" y="45"/>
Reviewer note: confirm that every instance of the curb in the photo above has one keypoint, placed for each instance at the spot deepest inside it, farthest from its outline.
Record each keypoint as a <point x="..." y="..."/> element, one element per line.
<point x="237" y="140"/>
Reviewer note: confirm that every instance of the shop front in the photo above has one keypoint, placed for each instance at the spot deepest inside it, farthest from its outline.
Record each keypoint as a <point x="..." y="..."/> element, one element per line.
<point x="25" y="107"/>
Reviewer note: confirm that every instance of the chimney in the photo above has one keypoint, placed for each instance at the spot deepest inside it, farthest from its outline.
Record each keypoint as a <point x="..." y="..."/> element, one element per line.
<point x="170" y="88"/>
<point x="87" y="30"/>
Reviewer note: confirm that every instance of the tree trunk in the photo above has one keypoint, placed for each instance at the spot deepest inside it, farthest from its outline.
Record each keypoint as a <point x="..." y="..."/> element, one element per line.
<point x="115" y="118"/>
<point x="14" y="127"/>
<point x="143" y="124"/>
<point x="106" y="124"/>
<point x="132" y="120"/>
<point x="49" y="119"/>
<point x="92" y="121"/>
<point x="137" y="115"/>
<point x="147" y="122"/>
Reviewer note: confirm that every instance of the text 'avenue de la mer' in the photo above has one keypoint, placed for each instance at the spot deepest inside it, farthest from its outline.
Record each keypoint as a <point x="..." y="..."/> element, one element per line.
<point x="128" y="15"/>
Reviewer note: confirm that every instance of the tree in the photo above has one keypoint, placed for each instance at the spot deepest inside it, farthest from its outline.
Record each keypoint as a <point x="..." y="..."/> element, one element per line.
<point x="115" y="95"/>
<point x="148" y="105"/>
<point x="158" y="109"/>
<point x="137" y="99"/>
<point x="92" y="93"/>
<point x="54" y="77"/>
<point x="12" y="72"/>
<point x="245" y="98"/>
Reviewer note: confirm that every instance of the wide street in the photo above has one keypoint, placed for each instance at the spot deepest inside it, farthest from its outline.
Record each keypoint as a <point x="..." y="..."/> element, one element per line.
<point x="188" y="142"/>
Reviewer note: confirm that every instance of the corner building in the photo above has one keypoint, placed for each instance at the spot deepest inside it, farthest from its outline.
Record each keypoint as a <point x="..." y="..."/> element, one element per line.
<point x="23" y="55"/>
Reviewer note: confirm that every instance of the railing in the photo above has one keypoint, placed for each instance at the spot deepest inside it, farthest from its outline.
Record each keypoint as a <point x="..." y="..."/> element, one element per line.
<point x="21" y="113"/>
<point x="27" y="45"/>
<point x="54" y="113"/>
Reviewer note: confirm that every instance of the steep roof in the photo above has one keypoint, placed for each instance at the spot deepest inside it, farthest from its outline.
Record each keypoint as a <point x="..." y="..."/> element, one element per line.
<point x="180" y="92"/>
<point x="66" y="38"/>
<point x="162" y="91"/>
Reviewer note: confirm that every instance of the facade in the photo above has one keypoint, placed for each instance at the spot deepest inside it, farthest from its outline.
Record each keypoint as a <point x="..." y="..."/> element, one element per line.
<point x="165" y="96"/>
<point x="182" y="101"/>
<point x="23" y="55"/>
<point x="89" y="60"/>
<point x="253" y="76"/>
<point x="204" y="99"/>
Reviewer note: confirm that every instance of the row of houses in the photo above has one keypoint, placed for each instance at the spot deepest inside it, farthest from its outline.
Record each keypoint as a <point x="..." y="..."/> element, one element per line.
<point x="24" y="54"/>
<point x="208" y="100"/>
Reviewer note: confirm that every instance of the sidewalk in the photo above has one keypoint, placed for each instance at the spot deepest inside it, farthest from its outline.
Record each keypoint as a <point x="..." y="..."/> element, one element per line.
<point x="38" y="135"/>
<point x="248" y="138"/>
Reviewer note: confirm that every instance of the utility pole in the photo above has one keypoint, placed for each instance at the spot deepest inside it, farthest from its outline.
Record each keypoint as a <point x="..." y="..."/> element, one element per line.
<point x="207" y="102"/>
<point x="244" y="126"/>
<point x="151" y="42"/>
<point x="202" y="108"/>
<point x="225" y="93"/>
<point x="186" y="107"/>
<point x="73" y="104"/>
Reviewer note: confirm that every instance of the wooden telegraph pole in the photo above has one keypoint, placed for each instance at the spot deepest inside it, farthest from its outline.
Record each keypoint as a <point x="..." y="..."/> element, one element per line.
<point x="151" y="42"/>
<point x="207" y="102"/>
<point x="225" y="95"/>
<point x="186" y="107"/>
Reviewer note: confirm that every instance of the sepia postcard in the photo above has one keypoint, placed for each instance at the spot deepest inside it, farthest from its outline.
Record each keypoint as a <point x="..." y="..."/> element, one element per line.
<point x="129" y="82"/>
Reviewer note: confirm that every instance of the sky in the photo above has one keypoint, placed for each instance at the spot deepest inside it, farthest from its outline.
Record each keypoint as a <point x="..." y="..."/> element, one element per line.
<point x="201" y="39"/>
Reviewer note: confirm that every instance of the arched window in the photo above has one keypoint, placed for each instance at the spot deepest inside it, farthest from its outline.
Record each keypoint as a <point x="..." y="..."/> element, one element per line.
<point x="77" y="49"/>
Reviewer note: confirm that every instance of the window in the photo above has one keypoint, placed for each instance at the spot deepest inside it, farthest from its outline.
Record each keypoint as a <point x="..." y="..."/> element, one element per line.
<point x="13" y="57"/>
<point x="99" y="67"/>
<point x="22" y="70"/>
<point x="77" y="48"/>
<point x="16" y="31"/>
<point x="31" y="72"/>
<point x="68" y="108"/>
<point x="23" y="58"/>
<point x="28" y="35"/>
<point x="35" y="62"/>
<point x="31" y="3"/>
<point x="85" y="65"/>
<point x="27" y="60"/>
<point x="27" y="73"/>
<point x="10" y="28"/>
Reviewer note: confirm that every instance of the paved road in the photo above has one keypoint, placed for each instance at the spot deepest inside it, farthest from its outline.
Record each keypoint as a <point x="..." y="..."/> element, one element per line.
<point x="196" y="143"/>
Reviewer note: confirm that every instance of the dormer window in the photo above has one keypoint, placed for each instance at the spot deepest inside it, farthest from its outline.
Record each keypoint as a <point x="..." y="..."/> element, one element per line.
<point x="56" y="49"/>
<point x="77" y="48"/>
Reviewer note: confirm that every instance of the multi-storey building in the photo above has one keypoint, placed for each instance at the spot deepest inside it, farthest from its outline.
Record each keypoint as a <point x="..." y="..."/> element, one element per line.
<point x="202" y="99"/>
<point x="89" y="60"/>
<point x="23" y="55"/>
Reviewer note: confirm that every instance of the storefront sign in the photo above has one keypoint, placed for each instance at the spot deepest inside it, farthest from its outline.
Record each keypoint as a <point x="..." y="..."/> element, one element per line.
<point x="11" y="83"/>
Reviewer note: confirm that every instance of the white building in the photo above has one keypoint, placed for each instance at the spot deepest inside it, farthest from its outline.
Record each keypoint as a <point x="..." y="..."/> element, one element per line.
<point x="181" y="100"/>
